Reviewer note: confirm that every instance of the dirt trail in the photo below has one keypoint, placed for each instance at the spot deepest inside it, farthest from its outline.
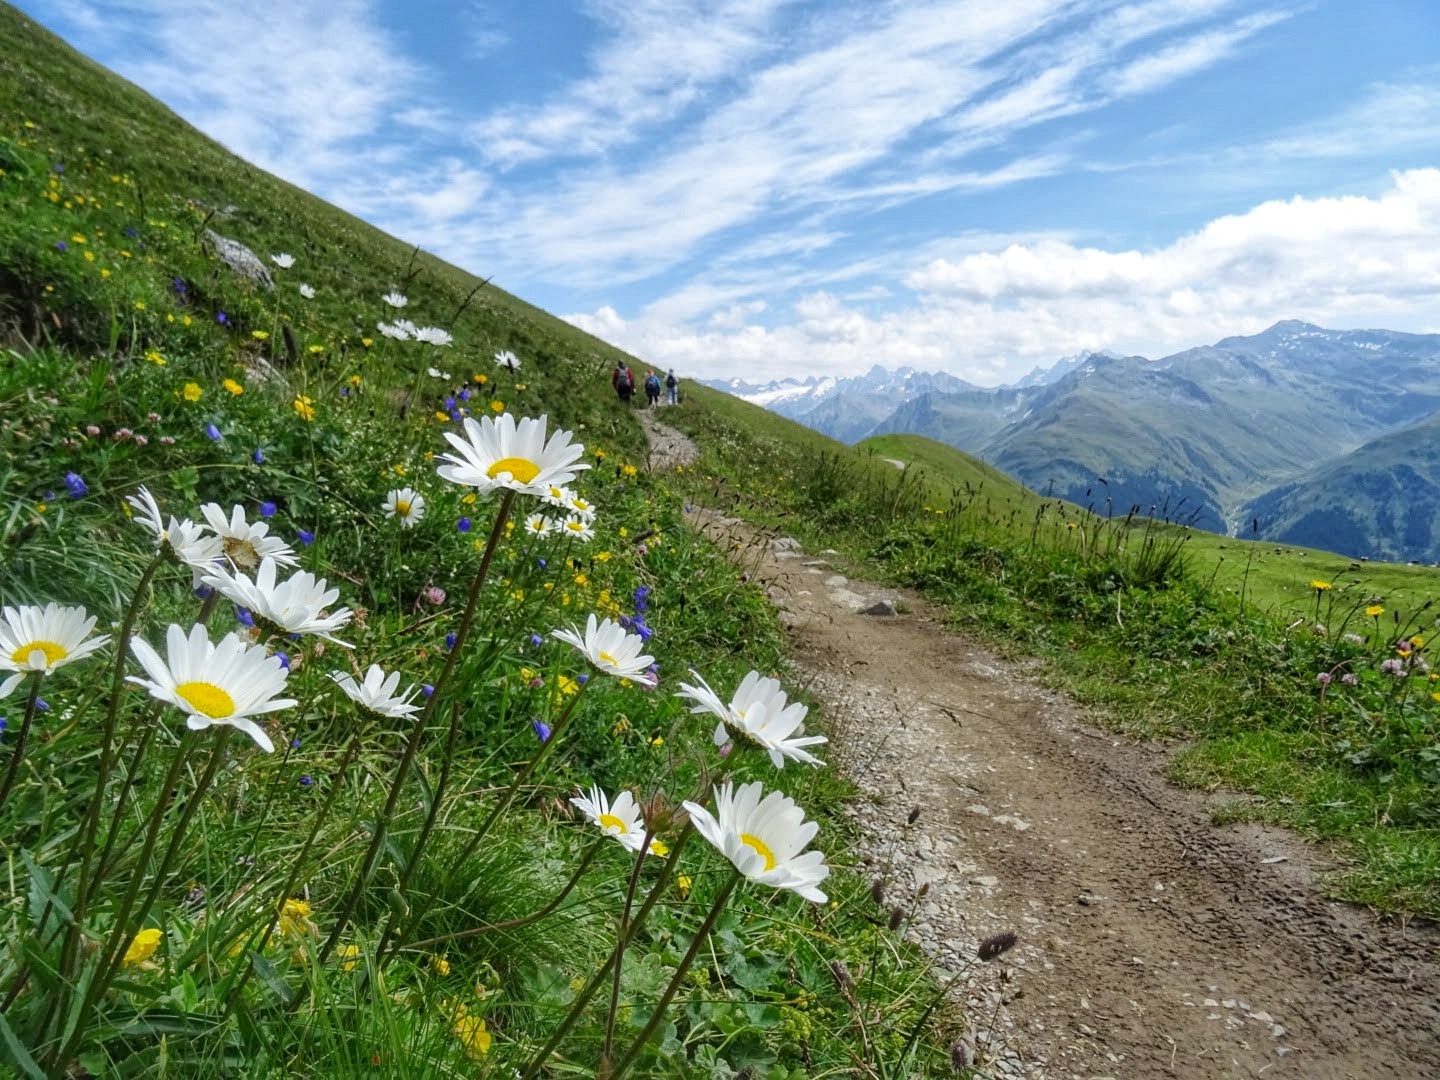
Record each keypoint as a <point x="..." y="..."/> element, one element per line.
<point x="1152" y="941"/>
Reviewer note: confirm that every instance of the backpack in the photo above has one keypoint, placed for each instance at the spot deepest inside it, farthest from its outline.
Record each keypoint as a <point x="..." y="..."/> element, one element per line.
<point x="627" y="379"/>
<point x="652" y="383"/>
<point x="671" y="381"/>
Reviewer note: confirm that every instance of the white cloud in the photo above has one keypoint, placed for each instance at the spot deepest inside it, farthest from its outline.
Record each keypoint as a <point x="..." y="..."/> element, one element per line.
<point x="1189" y="56"/>
<point x="988" y="316"/>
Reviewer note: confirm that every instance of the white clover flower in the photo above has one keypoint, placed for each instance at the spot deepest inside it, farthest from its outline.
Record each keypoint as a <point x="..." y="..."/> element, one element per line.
<point x="214" y="684"/>
<point x="757" y="714"/>
<point x="245" y="543"/>
<point x="498" y="453"/>
<point x="507" y="359"/>
<point x="609" y="648"/>
<point x="307" y="291"/>
<point x="620" y="819"/>
<point x="407" y="504"/>
<point x="578" y="527"/>
<point x="188" y="542"/>
<point x="283" y="260"/>
<point x="433" y="335"/>
<point x="395" y="299"/>
<point x="377" y="692"/>
<point x="764" y="838"/>
<point x="539" y="525"/>
<point x="296" y="605"/>
<point x="43" y="639"/>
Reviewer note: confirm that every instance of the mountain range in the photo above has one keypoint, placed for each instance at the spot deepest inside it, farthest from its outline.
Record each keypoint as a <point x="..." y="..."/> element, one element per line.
<point x="1326" y="438"/>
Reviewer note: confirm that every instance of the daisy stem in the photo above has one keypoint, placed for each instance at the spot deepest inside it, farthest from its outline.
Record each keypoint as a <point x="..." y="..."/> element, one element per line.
<point x="583" y="998"/>
<point x="523" y="920"/>
<point x="114" y="946"/>
<point x="622" y="939"/>
<point x="696" y="943"/>
<point x="107" y="742"/>
<point x="413" y="743"/>
<point x="322" y="815"/>
<point x="32" y="704"/>
<point x="132" y="774"/>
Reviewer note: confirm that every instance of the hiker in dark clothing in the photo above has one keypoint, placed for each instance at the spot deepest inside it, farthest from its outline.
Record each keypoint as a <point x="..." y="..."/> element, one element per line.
<point x="652" y="389"/>
<point x="623" y="380"/>
<point x="672" y="388"/>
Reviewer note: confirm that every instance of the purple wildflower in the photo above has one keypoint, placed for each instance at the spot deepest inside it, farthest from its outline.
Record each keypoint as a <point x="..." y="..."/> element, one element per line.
<point x="306" y="536"/>
<point x="267" y="509"/>
<point x="542" y="730"/>
<point x="450" y="640"/>
<point x="1323" y="678"/>
<point x="60" y="245"/>
<point x="75" y="485"/>
<point x="536" y="640"/>
<point x="284" y="659"/>
<point x="463" y="524"/>
<point x="1393" y="667"/>
<point x="213" y="432"/>
<point x="1349" y="678"/>
<point x="306" y="781"/>
<point x="428" y="690"/>
<point x="258" y="456"/>
<point x="642" y="594"/>
<point x="294" y="744"/>
<point x="222" y="319"/>
<point x="244" y="618"/>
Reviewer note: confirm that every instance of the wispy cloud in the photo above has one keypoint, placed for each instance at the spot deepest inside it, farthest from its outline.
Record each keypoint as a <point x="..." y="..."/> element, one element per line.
<point x="1190" y="55"/>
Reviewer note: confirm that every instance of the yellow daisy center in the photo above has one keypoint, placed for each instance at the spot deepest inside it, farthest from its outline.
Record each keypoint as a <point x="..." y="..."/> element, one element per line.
<point x="760" y="848"/>
<point x="521" y="469"/>
<point x="207" y="698"/>
<point x="606" y="658"/>
<point x="608" y="821"/>
<point x="575" y="526"/>
<point x="53" y="652"/>
<point x="402" y="507"/>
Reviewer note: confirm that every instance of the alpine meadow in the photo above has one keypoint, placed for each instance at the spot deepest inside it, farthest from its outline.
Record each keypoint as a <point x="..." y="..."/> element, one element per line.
<point x="374" y="701"/>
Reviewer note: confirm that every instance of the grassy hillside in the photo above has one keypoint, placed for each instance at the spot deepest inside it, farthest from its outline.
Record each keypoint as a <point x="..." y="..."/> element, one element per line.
<point x="1296" y="678"/>
<point x="224" y="863"/>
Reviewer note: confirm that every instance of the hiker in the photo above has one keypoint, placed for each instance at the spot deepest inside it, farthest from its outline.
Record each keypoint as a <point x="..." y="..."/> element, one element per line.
<point x="652" y="389"/>
<point x="623" y="380"/>
<point x="672" y="388"/>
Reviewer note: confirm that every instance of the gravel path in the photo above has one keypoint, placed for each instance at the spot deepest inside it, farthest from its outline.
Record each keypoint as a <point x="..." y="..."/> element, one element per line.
<point x="1152" y="941"/>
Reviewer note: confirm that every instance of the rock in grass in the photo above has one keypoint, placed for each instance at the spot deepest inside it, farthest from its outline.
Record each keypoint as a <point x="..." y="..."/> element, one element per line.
<point x="240" y="259"/>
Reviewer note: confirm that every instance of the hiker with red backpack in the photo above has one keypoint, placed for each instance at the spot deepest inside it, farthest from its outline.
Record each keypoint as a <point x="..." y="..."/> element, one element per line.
<point x="623" y="380"/>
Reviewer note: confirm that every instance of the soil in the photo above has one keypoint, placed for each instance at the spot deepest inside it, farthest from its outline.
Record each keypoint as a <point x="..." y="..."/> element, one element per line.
<point x="1152" y="941"/>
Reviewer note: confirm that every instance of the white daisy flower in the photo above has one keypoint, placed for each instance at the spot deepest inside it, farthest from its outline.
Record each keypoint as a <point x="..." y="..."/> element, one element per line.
<point x="507" y="359"/>
<point x="433" y="335"/>
<point x="296" y="605"/>
<point x="400" y="329"/>
<point x="43" y="639"/>
<point x="498" y="453"/>
<point x="188" y="542"/>
<point x="609" y="648"/>
<point x="395" y="299"/>
<point x="214" y="684"/>
<point x="307" y="291"/>
<point x="539" y="525"/>
<point x="759" y="714"/>
<point x="620" y="819"/>
<point x="377" y="692"/>
<point x="583" y="507"/>
<point x="764" y="838"/>
<point x="407" y="504"/>
<point x="283" y="260"/>
<point x="557" y="495"/>
<point x="245" y="543"/>
<point x="436" y="373"/>
<point x="578" y="527"/>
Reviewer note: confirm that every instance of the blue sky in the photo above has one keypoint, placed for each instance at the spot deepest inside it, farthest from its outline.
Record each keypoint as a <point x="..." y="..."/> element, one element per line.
<point x="760" y="188"/>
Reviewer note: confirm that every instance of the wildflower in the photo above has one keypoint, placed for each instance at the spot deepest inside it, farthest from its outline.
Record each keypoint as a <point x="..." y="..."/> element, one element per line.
<point x="433" y="335"/>
<point x="283" y="260"/>
<point x="307" y="781"/>
<point x="608" y="648"/>
<point x="121" y="434"/>
<point x="377" y="692"/>
<point x="258" y="456"/>
<point x="440" y="965"/>
<point x="759" y="714"/>
<point x="1319" y="586"/>
<point x="764" y="838"/>
<point x="539" y="525"/>
<point x="192" y="392"/>
<point x="213" y="432"/>
<point x="295" y="606"/>
<point x="244" y="543"/>
<point x="44" y="639"/>
<point x="682" y="885"/>
<point x="620" y="819"/>
<point x="507" y="359"/>
<point x="233" y="387"/>
<point x="305" y="536"/>
<point x="394" y="299"/>
<point x="306" y="291"/>
<point x="578" y="527"/>
<point x="451" y="639"/>
<point x="399" y="330"/>
<point x="222" y="319"/>
<point x="407" y="504"/>
<point x="92" y="430"/>
<point x="1323" y="678"/>
<point x="75" y="485"/>
<point x="295" y="918"/>
<point x="304" y="408"/>
<point x="214" y="684"/>
<point x="267" y="509"/>
<point x="629" y="470"/>
<point x="1392" y="667"/>
<point x="464" y="525"/>
<point x="1374" y="611"/>
<point x="498" y="453"/>
<point x="497" y="406"/>
<point x="142" y="946"/>
<point x="1349" y="678"/>
<point x="260" y="335"/>
<point x="472" y="1033"/>
<point x="557" y="495"/>
<point x="154" y="356"/>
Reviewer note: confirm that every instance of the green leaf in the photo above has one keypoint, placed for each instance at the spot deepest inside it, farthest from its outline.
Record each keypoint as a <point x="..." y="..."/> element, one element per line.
<point x="16" y="1052"/>
<point x="44" y="902"/>
<point x="270" y="976"/>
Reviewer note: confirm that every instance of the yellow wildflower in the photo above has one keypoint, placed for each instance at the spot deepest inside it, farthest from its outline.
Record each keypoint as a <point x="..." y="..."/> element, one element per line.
<point x="78" y="238"/>
<point x="659" y="847"/>
<point x="658" y="741"/>
<point x="629" y="470"/>
<point x="139" y="305"/>
<point x="1319" y="586"/>
<point x="304" y="408"/>
<point x="316" y="350"/>
<point x="356" y="380"/>
<point x="481" y="380"/>
<point x="186" y="320"/>
<point x="89" y="256"/>
<point x="233" y="386"/>
<point x="142" y="947"/>
<point x="1374" y="611"/>
<point x="192" y="391"/>
<point x="260" y="335"/>
<point x="295" y="918"/>
<point x="497" y="406"/>
<point x="440" y="965"/>
<point x="367" y="342"/>
<point x="441" y="416"/>
<point x="682" y="885"/>
<point x="154" y="357"/>
<point x="471" y="1032"/>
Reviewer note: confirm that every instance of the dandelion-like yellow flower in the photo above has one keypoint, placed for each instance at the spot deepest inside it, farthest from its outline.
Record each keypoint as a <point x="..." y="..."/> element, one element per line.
<point x="682" y="885"/>
<point x="497" y="406"/>
<point x="481" y="380"/>
<point x="440" y="965"/>
<point x="89" y="256"/>
<point x="629" y="470"/>
<point x="155" y="358"/>
<point x="1319" y="586"/>
<point x="472" y="1033"/>
<point x="295" y="918"/>
<point x="1374" y="611"/>
<point x="233" y="386"/>
<point x="192" y="392"/>
<point x="142" y="947"/>
<point x="356" y="380"/>
<point x="349" y="956"/>
<point x="139" y="304"/>
<point x="367" y="342"/>
<point x="260" y="335"/>
<point x="442" y="417"/>
<point x="316" y="350"/>
<point x="304" y="408"/>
